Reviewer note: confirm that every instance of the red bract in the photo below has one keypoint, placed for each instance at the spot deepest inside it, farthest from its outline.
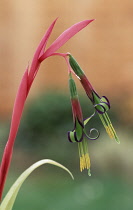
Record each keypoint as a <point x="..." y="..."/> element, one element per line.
<point x="25" y="86"/>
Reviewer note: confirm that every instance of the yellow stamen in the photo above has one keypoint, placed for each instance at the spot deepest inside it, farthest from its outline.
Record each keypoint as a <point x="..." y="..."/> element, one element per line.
<point x="81" y="164"/>
<point x="109" y="131"/>
<point x="109" y="127"/>
<point x="84" y="162"/>
<point x="87" y="158"/>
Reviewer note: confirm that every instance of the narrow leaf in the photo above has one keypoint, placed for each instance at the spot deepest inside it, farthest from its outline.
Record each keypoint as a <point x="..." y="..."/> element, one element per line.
<point x="9" y="199"/>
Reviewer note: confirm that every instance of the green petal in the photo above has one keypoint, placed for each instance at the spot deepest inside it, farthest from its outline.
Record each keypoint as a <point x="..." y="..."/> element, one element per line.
<point x="101" y="104"/>
<point x="89" y="118"/>
<point x="77" y="134"/>
<point x="78" y="130"/>
<point x="10" y="197"/>
<point x="91" y="130"/>
<point x="106" y="103"/>
<point x="71" y="136"/>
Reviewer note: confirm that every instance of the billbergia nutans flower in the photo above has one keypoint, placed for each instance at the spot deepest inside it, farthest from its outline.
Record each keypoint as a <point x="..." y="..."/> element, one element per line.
<point x="25" y="85"/>
<point x="79" y="134"/>
<point x="101" y="104"/>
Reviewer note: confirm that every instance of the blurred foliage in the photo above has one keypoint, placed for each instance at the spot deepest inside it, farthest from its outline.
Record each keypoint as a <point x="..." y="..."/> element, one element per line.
<point x="49" y="116"/>
<point x="97" y="193"/>
<point x="45" y="117"/>
<point x="45" y="124"/>
<point x="43" y="134"/>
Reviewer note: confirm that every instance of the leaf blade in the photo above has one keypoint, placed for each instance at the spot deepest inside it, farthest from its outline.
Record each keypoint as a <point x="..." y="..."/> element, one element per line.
<point x="9" y="199"/>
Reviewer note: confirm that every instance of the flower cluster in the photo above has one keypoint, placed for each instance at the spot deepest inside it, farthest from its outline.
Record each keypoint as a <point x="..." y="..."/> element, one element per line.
<point x="79" y="133"/>
<point x="101" y="104"/>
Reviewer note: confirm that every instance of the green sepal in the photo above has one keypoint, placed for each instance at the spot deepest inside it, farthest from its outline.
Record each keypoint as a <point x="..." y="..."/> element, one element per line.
<point x="72" y="87"/>
<point x="75" y="66"/>
<point x="89" y="118"/>
<point x="78" y="130"/>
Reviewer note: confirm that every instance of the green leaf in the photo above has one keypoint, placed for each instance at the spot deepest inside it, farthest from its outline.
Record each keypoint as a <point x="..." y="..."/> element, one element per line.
<point x="10" y="197"/>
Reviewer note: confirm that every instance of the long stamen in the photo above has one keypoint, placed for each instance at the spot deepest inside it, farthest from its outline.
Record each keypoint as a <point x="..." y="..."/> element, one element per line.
<point x="108" y="126"/>
<point x="84" y="156"/>
<point x="80" y="147"/>
<point x="111" y="126"/>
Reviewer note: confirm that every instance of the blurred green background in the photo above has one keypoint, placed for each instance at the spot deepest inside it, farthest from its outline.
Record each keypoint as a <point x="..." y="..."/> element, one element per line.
<point x="43" y="134"/>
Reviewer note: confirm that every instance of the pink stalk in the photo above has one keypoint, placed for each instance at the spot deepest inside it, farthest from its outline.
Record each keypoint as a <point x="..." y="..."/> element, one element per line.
<point x="22" y="93"/>
<point x="25" y="86"/>
<point x="16" y="116"/>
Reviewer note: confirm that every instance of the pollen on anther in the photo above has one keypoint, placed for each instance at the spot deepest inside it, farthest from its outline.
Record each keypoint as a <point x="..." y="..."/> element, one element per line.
<point x="87" y="159"/>
<point x="84" y="162"/>
<point x="109" y="132"/>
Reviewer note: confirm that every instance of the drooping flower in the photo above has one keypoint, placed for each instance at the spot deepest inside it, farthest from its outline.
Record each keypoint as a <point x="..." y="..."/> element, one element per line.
<point x="78" y="134"/>
<point x="101" y="104"/>
<point x="25" y="85"/>
<point x="76" y="110"/>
